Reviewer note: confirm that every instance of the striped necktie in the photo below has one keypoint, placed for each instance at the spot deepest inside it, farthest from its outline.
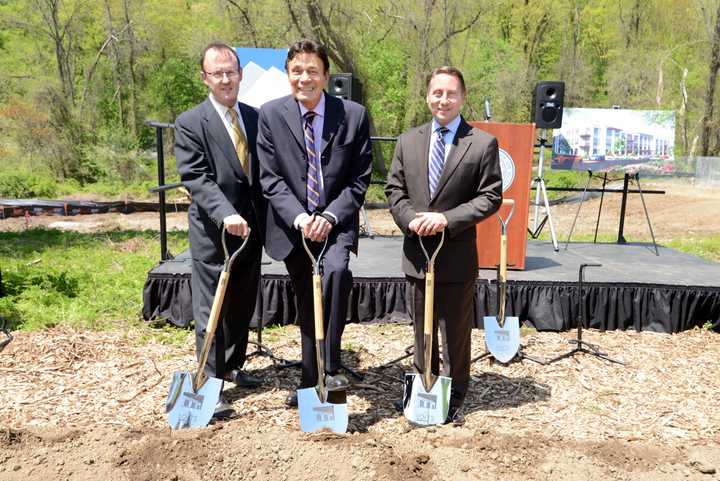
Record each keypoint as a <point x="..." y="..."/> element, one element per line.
<point x="437" y="159"/>
<point x="241" y="146"/>
<point x="314" y="186"/>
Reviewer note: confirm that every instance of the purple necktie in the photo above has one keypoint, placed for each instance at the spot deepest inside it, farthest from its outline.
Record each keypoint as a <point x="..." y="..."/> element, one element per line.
<point x="314" y="187"/>
<point x="437" y="159"/>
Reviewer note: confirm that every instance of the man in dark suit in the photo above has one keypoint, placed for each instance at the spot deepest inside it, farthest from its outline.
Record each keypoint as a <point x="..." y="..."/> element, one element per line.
<point x="315" y="164"/>
<point x="216" y="157"/>
<point x="445" y="175"/>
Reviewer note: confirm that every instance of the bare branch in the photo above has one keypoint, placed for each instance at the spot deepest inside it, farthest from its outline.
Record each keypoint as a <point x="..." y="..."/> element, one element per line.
<point x="248" y="22"/>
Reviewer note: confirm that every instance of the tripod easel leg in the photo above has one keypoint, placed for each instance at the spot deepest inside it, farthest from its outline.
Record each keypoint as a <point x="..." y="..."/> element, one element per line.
<point x="577" y="213"/>
<point x="647" y="216"/>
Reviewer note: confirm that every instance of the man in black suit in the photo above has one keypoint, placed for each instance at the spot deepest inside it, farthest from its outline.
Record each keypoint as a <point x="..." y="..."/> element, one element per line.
<point x="315" y="164"/>
<point x="445" y="175"/>
<point x="216" y="157"/>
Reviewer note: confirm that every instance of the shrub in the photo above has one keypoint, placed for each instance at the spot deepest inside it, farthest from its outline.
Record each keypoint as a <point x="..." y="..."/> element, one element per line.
<point x="19" y="185"/>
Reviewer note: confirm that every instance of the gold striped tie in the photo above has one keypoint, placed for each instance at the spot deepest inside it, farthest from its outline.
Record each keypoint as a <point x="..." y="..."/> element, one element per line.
<point x="241" y="146"/>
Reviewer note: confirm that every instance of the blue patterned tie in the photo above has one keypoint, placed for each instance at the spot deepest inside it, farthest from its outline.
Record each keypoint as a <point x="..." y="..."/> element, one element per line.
<point x="437" y="159"/>
<point x="314" y="188"/>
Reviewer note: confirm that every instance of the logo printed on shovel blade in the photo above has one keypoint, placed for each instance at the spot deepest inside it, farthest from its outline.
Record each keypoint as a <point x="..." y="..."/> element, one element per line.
<point x="426" y="408"/>
<point x="502" y="342"/>
<point x="316" y="415"/>
<point x="193" y="409"/>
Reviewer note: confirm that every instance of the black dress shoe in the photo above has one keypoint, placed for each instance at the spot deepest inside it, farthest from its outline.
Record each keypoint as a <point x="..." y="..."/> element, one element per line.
<point x="242" y="379"/>
<point x="336" y="382"/>
<point x="291" y="401"/>
<point x="223" y="409"/>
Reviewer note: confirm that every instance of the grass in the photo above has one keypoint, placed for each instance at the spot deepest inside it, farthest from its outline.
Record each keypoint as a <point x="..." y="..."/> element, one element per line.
<point x="707" y="247"/>
<point x="56" y="278"/>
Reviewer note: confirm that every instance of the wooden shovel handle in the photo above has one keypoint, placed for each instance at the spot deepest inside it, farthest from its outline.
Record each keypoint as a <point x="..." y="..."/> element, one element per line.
<point x="428" y="327"/>
<point x="318" y="307"/>
<point x="200" y="377"/>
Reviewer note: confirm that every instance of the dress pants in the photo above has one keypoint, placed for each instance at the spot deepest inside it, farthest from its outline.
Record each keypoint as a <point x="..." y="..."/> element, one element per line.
<point x="227" y="352"/>
<point x="453" y="309"/>
<point x="336" y="286"/>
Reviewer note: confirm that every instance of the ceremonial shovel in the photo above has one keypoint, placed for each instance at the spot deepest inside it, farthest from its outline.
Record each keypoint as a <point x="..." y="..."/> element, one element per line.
<point x="426" y="398"/>
<point x="502" y="334"/>
<point x="319" y="408"/>
<point x="192" y="398"/>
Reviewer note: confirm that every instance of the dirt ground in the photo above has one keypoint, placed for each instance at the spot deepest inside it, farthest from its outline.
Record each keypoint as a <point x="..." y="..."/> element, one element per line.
<point x="80" y="405"/>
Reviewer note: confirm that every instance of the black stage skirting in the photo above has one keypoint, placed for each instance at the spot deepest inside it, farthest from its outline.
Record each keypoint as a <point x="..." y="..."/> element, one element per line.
<point x="634" y="288"/>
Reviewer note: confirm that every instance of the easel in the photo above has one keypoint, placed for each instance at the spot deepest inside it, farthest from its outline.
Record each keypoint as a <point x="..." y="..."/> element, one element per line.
<point x="623" y="206"/>
<point x="538" y="184"/>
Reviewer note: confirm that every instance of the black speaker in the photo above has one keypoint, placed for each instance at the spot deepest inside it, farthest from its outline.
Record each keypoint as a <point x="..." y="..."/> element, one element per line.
<point x="345" y="86"/>
<point x="547" y="105"/>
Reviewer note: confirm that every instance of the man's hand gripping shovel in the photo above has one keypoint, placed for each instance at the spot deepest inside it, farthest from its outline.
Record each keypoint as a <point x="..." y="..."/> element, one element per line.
<point x="502" y="334"/>
<point x="192" y="398"/>
<point x="426" y="398"/>
<point x="318" y="408"/>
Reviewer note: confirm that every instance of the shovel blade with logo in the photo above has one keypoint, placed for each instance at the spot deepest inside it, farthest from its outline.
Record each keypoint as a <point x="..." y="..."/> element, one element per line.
<point x="502" y="333"/>
<point x="318" y="408"/>
<point x="426" y="398"/>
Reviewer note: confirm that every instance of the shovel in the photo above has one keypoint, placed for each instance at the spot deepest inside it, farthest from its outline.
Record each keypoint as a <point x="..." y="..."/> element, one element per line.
<point x="427" y="397"/>
<point x="192" y="398"/>
<point x="502" y="334"/>
<point x="318" y="408"/>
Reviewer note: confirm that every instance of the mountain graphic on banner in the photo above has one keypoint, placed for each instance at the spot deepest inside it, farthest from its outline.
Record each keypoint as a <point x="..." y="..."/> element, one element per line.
<point x="261" y="85"/>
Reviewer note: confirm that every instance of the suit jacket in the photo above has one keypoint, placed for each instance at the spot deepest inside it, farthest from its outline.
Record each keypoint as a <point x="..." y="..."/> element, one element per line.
<point x="210" y="169"/>
<point x="346" y="161"/>
<point x="469" y="190"/>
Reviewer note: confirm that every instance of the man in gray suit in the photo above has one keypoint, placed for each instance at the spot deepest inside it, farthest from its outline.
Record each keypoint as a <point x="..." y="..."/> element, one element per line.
<point x="217" y="160"/>
<point x="445" y="175"/>
<point x="315" y="164"/>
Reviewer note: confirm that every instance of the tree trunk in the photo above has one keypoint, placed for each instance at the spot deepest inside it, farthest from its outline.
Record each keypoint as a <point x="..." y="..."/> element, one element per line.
<point x="132" y="78"/>
<point x="115" y="58"/>
<point x="61" y="37"/>
<point x="710" y="90"/>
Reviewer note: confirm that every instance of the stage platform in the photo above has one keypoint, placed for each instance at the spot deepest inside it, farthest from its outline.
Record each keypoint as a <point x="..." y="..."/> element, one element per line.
<point x="634" y="288"/>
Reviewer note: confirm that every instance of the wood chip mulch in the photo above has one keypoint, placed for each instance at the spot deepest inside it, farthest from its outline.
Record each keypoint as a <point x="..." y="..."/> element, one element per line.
<point x="666" y="390"/>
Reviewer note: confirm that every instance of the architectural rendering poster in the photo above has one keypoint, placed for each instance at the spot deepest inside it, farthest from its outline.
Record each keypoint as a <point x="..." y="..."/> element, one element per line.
<point x="601" y="140"/>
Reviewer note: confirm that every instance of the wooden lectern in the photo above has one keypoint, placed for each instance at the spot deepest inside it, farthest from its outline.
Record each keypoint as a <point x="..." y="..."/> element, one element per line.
<point x="516" y="155"/>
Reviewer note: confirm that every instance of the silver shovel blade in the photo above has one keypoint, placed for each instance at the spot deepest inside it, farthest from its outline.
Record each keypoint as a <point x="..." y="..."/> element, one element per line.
<point x="187" y="408"/>
<point x="502" y="342"/>
<point x="317" y="416"/>
<point x="426" y="408"/>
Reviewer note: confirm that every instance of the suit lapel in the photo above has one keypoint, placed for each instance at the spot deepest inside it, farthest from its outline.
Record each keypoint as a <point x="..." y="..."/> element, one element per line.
<point x="292" y="118"/>
<point x="217" y="131"/>
<point x="334" y="116"/>
<point x="461" y="144"/>
<point x="423" y="142"/>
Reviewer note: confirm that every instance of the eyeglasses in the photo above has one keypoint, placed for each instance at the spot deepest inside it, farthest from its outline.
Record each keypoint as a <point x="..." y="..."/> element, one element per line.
<point x="230" y="74"/>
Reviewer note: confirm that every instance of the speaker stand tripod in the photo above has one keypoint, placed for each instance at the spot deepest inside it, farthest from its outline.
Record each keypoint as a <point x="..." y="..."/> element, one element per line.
<point x="580" y="345"/>
<point x="541" y="191"/>
<point x="261" y="350"/>
<point x="287" y="364"/>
